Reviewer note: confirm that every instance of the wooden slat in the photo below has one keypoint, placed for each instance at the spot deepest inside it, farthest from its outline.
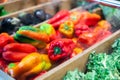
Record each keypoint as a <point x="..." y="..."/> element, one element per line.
<point x="49" y="7"/>
<point x="80" y="60"/>
<point x="16" y="5"/>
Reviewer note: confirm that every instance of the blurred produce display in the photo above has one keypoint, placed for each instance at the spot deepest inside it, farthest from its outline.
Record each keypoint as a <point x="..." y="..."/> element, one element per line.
<point x="62" y="37"/>
<point x="32" y="51"/>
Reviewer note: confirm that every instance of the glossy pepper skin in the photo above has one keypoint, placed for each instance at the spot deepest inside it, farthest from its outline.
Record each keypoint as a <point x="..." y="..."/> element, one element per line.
<point x="105" y="28"/>
<point x="102" y="25"/>
<point x="75" y="17"/>
<point x="81" y="28"/>
<point x="49" y="30"/>
<point x="38" y="39"/>
<point x="59" y="18"/>
<point x="35" y="32"/>
<point x="32" y="64"/>
<point x="5" y="39"/>
<point x="60" y="15"/>
<point x="60" y="49"/>
<point x="17" y="51"/>
<point x="67" y="29"/>
<point x="89" y="38"/>
<point x="90" y="19"/>
<point x="76" y="51"/>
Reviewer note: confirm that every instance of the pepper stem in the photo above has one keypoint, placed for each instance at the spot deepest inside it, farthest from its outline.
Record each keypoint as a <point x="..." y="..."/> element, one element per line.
<point x="57" y="50"/>
<point x="66" y="27"/>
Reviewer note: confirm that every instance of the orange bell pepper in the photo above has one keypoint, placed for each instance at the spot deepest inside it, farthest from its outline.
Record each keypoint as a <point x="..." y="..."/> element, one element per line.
<point x="75" y="16"/>
<point x="102" y="25"/>
<point x="90" y="19"/>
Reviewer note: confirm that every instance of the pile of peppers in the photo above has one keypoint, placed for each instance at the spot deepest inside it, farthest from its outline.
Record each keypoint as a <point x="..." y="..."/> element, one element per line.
<point x="33" y="50"/>
<point x="21" y="60"/>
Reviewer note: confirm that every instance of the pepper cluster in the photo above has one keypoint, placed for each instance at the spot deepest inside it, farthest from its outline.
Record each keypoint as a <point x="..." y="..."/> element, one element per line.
<point x="62" y="37"/>
<point x="21" y="58"/>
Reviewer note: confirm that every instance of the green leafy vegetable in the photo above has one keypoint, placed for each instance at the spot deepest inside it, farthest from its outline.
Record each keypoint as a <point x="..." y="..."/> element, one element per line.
<point x="100" y="66"/>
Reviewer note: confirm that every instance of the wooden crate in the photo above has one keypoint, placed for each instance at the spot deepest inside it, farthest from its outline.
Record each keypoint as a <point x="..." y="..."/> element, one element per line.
<point x="49" y="7"/>
<point x="80" y="60"/>
<point x="16" y="5"/>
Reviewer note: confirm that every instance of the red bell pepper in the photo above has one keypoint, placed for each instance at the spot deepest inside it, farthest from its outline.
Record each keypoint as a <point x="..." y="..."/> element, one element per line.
<point x="104" y="35"/>
<point x="89" y="38"/>
<point x="17" y="51"/>
<point x="81" y="28"/>
<point x="60" y="49"/>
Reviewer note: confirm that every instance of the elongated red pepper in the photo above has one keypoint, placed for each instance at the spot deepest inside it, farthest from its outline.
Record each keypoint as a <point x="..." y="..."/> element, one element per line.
<point x="17" y="51"/>
<point x="90" y="19"/>
<point x="60" y="49"/>
<point x="60" y="15"/>
<point x="57" y="23"/>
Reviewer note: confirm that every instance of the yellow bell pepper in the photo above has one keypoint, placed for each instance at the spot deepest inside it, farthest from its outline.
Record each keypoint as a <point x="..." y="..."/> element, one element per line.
<point x="67" y="29"/>
<point x="31" y="64"/>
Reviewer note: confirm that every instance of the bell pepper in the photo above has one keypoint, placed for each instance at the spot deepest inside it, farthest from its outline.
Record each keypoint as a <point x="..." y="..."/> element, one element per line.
<point x="90" y="19"/>
<point x="4" y="40"/>
<point x="75" y="17"/>
<point x="32" y="64"/>
<point x="103" y="35"/>
<point x="17" y="51"/>
<point x="89" y="38"/>
<point x="102" y="25"/>
<point x="59" y="18"/>
<point x="76" y="51"/>
<point x="38" y="39"/>
<point x="49" y="30"/>
<point x="60" y="49"/>
<point x="67" y="29"/>
<point x="105" y="27"/>
<point x="80" y="28"/>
